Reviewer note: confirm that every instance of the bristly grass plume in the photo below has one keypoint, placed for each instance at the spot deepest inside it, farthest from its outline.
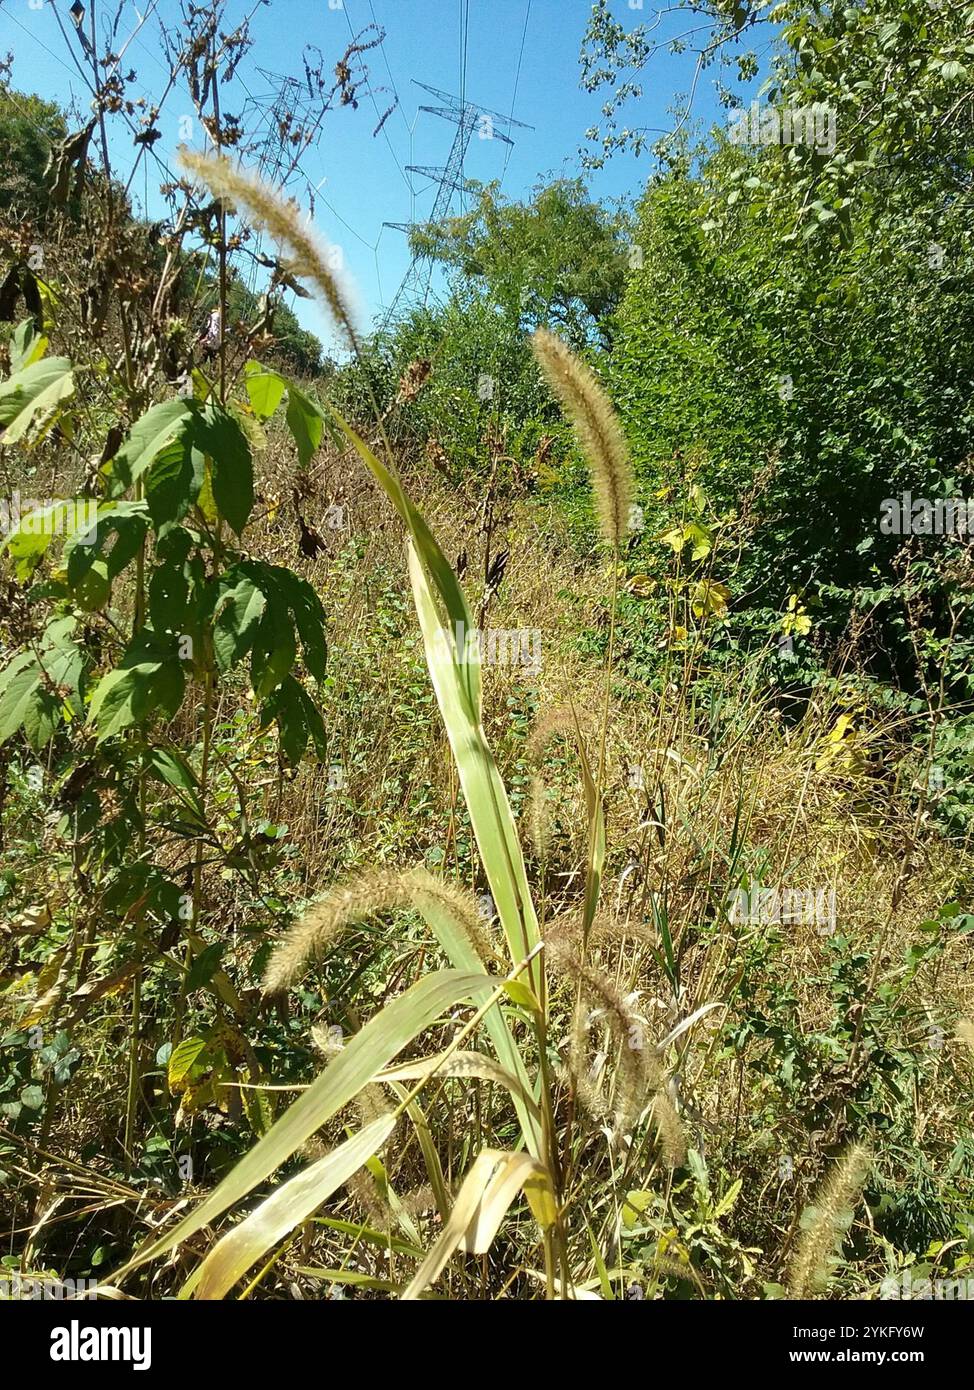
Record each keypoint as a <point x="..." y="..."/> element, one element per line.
<point x="597" y="427"/>
<point x="374" y="892"/>
<point x="828" y="1221"/>
<point x="308" y="258"/>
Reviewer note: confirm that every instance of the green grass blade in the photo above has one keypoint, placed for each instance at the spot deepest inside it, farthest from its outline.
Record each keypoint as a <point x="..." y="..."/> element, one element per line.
<point x="369" y="1051"/>
<point x="483" y="789"/>
<point x="286" y="1208"/>
<point x="437" y="565"/>
<point x="462" y="956"/>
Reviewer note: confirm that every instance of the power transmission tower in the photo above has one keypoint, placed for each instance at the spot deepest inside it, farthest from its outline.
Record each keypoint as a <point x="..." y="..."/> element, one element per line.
<point x="286" y="122"/>
<point x="468" y="118"/>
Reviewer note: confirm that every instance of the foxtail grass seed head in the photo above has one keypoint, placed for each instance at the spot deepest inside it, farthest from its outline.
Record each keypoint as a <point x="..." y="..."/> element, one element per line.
<point x="420" y="1202"/>
<point x="364" y="1192"/>
<point x="669" y="1127"/>
<point x="638" y="1073"/>
<point x="372" y="894"/>
<point x="325" y="920"/>
<point x="827" y="1222"/>
<point x="309" y="258"/>
<point x="597" y="426"/>
<point x="371" y="1104"/>
<point x="556" y="722"/>
<point x="539" y="818"/>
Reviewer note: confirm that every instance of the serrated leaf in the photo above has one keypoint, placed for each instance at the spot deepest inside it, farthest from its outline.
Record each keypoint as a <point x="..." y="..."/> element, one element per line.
<point x="183" y="1061"/>
<point x="273" y="652"/>
<point x="147" y="438"/>
<point x="219" y="436"/>
<point x="19" y="682"/>
<point x="239" y="610"/>
<point x="173" y="481"/>
<point x="30" y="398"/>
<point x="149" y="680"/>
<point x="30" y="540"/>
<point x="265" y="389"/>
<point x="309" y="619"/>
<point x="298" y="720"/>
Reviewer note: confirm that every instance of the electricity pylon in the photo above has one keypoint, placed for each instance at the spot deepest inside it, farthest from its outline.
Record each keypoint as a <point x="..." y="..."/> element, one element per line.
<point x="468" y="118"/>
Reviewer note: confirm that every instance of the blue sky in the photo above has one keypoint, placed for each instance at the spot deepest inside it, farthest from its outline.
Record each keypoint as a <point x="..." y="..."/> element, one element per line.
<point x="364" y="180"/>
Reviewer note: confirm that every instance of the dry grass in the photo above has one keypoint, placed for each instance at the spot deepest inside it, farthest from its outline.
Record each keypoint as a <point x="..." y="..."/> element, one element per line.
<point x="814" y="821"/>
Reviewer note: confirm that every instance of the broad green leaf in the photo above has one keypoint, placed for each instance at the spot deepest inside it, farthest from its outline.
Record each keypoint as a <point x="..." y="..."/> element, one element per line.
<point x="240" y="607"/>
<point x="273" y="652"/>
<point x="125" y="522"/>
<point x="168" y="598"/>
<point x="27" y="346"/>
<point x="205" y="966"/>
<point x="206" y="501"/>
<point x="305" y="421"/>
<point x="309" y="618"/>
<point x="219" y="436"/>
<point x="173" y="481"/>
<point x="636" y="1204"/>
<point x="169" y="586"/>
<point x="40" y="688"/>
<point x="524" y="997"/>
<point x="265" y="389"/>
<point x="19" y="682"/>
<point x="183" y="1060"/>
<point x="172" y="770"/>
<point x="298" y="719"/>
<point x="150" y="434"/>
<point x="31" y="538"/>
<point x="150" y="680"/>
<point x="62" y="662"/>
<point x="30" y="398"/>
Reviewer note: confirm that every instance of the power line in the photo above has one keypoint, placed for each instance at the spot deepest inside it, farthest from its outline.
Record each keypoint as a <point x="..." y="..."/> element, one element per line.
<point x="378" y="113"/>
<point x="464" y="39"/>
<point x="466" y="116"/>
<point x="385" y="59"/>
<point x="517" y="79"/>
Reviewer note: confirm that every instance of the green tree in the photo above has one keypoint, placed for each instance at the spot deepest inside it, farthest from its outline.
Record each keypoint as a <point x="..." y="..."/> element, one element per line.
<point x="558" y="261"/>
<point x="29" y="127"/>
